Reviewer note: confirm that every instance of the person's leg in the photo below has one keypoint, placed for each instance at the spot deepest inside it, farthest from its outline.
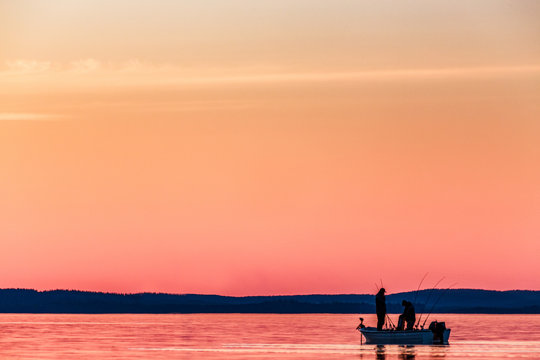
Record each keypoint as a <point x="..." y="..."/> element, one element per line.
<point x="380" y="321"/>
<point x="400" y="323"/>
<point x="410" y="324"/>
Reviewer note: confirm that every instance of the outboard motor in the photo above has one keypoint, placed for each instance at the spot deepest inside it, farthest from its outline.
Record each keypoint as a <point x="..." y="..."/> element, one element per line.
<point x="437" y="328"/>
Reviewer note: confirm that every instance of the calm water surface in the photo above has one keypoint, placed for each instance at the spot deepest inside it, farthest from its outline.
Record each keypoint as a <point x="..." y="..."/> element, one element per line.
<point x="239" y="336"/>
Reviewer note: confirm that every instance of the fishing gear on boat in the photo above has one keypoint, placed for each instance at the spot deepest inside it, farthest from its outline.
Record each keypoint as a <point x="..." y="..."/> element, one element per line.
<point x="427" y="300"/>
<point x="418" y="289"/>
<point x="392" y="325"/>
<point x="361" y="326"/>
<point x="436" y="302"/>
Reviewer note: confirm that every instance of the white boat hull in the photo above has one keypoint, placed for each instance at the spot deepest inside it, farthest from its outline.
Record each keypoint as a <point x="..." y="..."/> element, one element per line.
<point x="404" y="337"/>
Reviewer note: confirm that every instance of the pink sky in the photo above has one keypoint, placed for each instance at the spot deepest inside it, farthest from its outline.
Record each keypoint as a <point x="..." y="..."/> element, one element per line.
<point x="270" y="148"/>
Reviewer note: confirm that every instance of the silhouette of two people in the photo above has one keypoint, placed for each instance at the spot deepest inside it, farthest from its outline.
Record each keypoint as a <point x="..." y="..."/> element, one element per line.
<point x="408" y="316"/>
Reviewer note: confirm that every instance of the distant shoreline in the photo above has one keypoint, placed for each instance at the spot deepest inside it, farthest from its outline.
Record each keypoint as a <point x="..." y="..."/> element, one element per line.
<point x="455" y="301"/>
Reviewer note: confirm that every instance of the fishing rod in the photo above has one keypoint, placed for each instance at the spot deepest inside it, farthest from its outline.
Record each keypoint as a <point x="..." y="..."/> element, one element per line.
<point x="436" y="302"/>
<point x="428" y="298"/>
<point x="418" y="289"/>
<point x="393" y="326"/>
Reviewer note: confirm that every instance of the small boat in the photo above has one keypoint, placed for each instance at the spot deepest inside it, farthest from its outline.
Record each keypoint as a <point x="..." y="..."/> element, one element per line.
<point x="405" y="337"/>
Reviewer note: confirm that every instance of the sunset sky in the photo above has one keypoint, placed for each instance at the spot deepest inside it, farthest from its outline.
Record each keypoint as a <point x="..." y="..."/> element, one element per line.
<point x="269" y="147"/>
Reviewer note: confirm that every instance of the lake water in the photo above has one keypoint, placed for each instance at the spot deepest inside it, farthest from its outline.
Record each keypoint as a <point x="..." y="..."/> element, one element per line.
<point x="253" y="336"/>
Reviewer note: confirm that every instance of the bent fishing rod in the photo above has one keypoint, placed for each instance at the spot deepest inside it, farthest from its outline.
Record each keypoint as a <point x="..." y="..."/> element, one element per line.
<point x="428" y="298"/>
<point x="440" y="296"/>
<point x="418" y="289"/>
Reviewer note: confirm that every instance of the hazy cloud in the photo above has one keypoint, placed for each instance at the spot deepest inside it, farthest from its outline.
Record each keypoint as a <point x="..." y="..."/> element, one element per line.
<point x="136" y="71"/>
<point x="27" y="66"/>
<point x="29" y="116"/>
<point x="23" y="77"/>
<point x="85" y="65"/>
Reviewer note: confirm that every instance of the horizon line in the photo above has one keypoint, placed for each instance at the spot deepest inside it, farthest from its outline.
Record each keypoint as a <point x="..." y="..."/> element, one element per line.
<point x="244" y="296"/>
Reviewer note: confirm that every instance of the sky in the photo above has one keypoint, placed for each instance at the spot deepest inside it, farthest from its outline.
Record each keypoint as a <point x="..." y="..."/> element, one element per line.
<point x="269" y="147"/>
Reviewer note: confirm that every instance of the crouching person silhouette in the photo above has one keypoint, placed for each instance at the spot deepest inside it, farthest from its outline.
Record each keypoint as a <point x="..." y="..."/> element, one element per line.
<point x="408" y="316"/>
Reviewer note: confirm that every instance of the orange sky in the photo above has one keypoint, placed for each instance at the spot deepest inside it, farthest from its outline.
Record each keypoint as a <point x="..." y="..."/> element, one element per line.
<point x="270" y="147"/>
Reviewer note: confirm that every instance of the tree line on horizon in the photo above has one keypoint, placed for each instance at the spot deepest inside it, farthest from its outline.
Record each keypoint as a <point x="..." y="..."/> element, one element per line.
<point x="430" y="300"/>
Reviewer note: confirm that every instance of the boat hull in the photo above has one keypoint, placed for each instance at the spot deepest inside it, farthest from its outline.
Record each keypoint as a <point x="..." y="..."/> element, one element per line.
<point x="405" y="337"/>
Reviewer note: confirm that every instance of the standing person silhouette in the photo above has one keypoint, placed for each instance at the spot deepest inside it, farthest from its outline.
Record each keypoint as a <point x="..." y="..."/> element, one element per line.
<point x="380" y="307"/>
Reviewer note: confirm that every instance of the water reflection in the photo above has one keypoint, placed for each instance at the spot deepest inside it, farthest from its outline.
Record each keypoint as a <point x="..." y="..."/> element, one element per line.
<point x="438" y="351"/>
<point x="380" y="352"/>
<point x="250" y="337"/>
<point x="407" y="352"/>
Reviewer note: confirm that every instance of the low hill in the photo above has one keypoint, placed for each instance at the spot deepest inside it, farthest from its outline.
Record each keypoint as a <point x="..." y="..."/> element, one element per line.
<point x="447" y="301"/>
